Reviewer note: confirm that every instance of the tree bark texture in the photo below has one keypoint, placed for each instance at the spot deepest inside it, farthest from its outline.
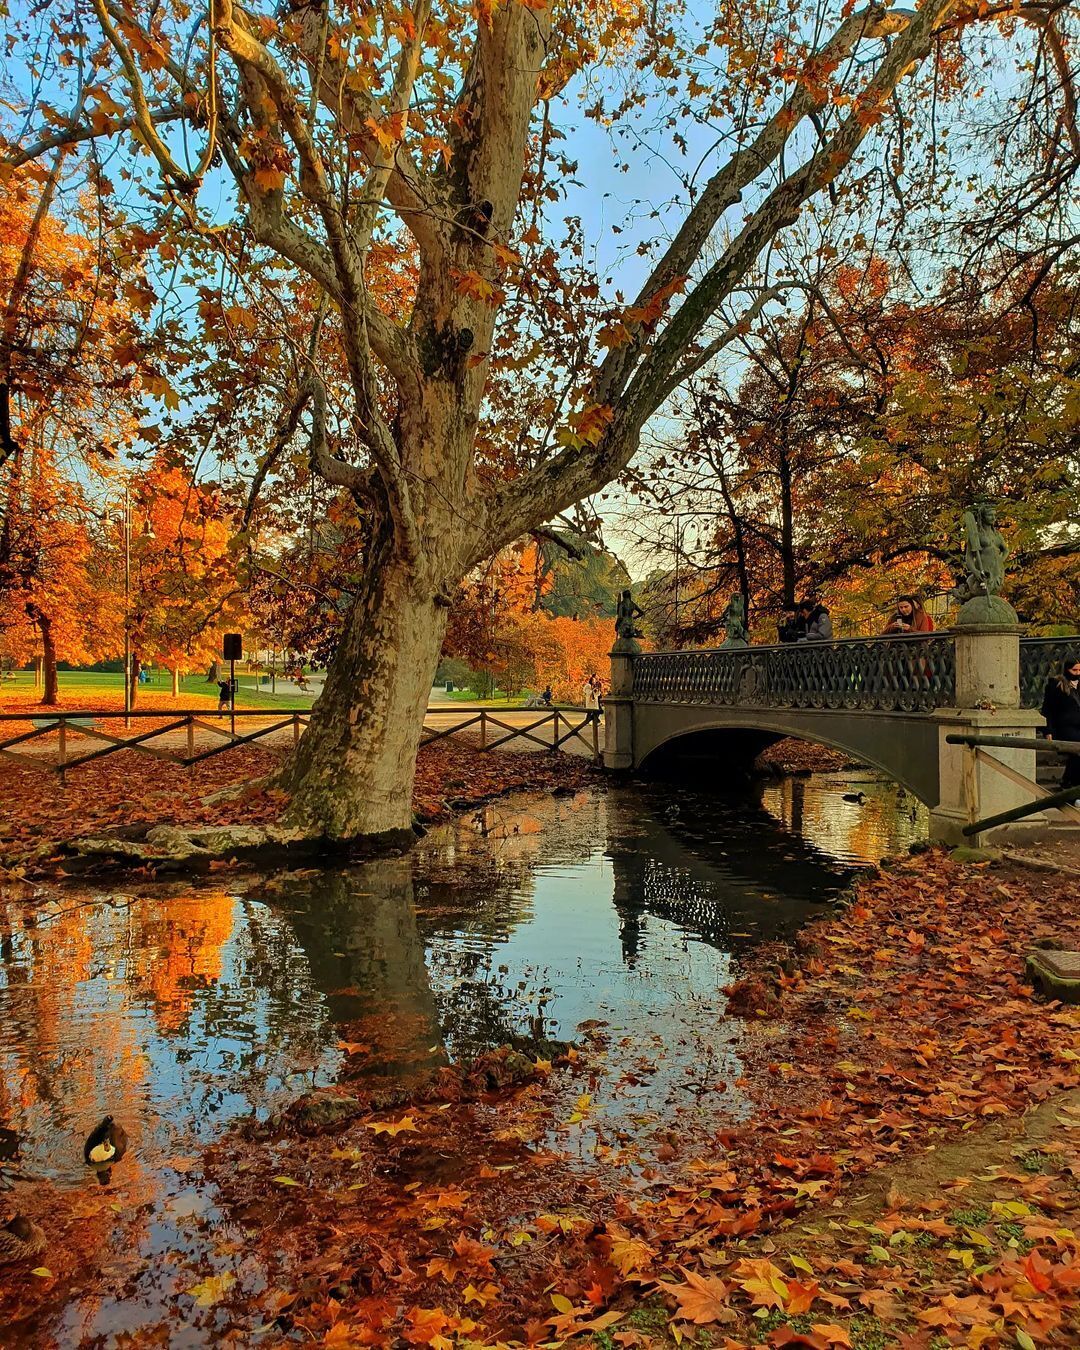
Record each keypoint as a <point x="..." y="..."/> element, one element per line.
<point x="352" y="773"/>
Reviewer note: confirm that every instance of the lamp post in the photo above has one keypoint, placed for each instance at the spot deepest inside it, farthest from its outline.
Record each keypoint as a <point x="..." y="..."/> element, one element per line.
<point x="127" y="605"/>
<point x="677" y="536"/>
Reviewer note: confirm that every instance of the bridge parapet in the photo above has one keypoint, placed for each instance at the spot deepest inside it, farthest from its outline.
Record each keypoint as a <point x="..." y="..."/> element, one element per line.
<point x="911" y="673"/>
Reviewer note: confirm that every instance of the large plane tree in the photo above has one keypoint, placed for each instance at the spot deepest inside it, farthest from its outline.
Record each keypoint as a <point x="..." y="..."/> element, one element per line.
<point x="343" y="125"/>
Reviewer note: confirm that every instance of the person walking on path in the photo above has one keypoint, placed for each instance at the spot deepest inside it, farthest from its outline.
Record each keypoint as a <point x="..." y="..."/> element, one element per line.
<point x="1061" y="708"/>
<point x="910" y="617"/>
<point x="818" y="624"/>
<point x="590" y="693"/>
<point x="225" y="697"/>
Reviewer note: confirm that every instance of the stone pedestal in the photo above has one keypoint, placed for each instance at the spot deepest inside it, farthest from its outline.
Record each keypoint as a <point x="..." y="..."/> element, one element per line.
<point x="619" y="707"/>
<point x="987" y="666"/>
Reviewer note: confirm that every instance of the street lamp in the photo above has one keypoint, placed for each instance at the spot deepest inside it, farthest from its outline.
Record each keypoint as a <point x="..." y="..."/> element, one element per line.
<point x="149" y="534"/>
<point x="677" y="536"/>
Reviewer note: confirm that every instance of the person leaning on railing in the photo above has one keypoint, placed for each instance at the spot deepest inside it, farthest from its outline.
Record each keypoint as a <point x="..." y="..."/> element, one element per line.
<point x="816" y="622"/>
<point x="910" y="617"/>
<point x="1061" y="708"/>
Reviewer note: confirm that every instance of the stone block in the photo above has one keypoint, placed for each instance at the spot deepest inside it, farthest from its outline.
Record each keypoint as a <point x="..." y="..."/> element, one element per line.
<point x="1056" y="973"/>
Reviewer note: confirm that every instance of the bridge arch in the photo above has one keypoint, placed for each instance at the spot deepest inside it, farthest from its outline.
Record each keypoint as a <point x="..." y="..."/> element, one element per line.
<point x="904" y="748"/>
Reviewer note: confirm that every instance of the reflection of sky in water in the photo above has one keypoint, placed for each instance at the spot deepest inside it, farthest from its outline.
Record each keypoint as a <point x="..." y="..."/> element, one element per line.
<point x="173" y="1015"/>
<point x="568" y="951"/>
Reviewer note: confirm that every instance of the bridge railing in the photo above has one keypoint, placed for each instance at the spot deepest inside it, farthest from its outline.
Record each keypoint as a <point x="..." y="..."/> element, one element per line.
<point x="1039" y="659"/>
<point x="910" y="673"/>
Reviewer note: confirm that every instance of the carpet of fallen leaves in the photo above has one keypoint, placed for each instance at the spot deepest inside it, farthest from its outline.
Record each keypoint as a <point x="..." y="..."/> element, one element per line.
<point x="38" y="812"/>
<point x="897" y="1030"/>
<point x="802" y="757"/>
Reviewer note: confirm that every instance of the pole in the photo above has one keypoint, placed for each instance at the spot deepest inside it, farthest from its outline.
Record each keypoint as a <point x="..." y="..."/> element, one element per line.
<point x="1065" y="797"/>
<point x="127" y="605"/>
<point x="675" y="523"/>
<point x="232" y="697"/>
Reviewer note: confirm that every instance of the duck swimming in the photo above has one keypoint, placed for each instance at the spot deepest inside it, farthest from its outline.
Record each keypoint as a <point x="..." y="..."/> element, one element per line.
<point x="20" y="1239"/>
<point x="106" y="1144"/>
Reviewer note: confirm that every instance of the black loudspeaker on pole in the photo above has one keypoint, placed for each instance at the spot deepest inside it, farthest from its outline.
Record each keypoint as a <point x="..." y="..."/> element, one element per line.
<point x="233" y="651"/>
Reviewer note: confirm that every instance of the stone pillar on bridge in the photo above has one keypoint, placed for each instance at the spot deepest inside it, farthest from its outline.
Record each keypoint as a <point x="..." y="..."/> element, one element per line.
<point x="619" y="706"/>
<point x="987" y="703"/>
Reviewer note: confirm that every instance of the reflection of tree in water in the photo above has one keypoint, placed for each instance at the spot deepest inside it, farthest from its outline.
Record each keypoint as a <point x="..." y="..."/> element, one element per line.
<point x="475" y="893"/>
<point x="466" y="915"/>
<point x="358" y="931"/>
<point x="714" y="866"/>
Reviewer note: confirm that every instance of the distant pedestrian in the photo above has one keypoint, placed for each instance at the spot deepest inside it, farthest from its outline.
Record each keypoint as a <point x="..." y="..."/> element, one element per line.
<point x="598" y="692"/>
<point x="1061" y="708"/>
<point x="790" y="628"/>
<point x="817" y="623"/>
<point x="910" y="617"/>
<point x="590" y="693"/>
<point x="225" y="697"/>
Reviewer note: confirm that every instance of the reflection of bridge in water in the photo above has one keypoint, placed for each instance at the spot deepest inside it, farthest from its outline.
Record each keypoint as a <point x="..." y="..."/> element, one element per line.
<point x="723" y="870"/>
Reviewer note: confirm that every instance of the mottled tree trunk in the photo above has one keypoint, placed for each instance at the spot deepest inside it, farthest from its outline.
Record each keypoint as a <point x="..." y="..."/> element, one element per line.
<point x="352" y="773"/>
<point x="176" y="681"/>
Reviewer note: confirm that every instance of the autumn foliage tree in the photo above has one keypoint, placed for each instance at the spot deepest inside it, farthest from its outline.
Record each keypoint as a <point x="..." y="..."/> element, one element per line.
<point x="184" y="585"/>
<point x="861" y="425"/>
<point x="344" y="124"/>
<point x="71" y="382"/>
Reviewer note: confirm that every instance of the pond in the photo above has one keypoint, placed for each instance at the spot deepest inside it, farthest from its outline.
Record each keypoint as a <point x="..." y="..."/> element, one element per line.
<point x="179" y="1009"/>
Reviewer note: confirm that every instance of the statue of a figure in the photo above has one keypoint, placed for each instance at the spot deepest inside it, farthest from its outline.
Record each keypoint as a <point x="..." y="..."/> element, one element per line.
<point x="625" y="614"/>
<point x="734" y="621"/>
<point x="985" y="551"/>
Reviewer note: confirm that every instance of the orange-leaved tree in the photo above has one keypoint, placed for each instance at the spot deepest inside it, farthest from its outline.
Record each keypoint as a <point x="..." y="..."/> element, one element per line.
<point x="184" y="587"/>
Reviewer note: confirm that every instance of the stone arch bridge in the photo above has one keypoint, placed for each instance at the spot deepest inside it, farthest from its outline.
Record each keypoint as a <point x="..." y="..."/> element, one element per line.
<point x="889" y="702"/>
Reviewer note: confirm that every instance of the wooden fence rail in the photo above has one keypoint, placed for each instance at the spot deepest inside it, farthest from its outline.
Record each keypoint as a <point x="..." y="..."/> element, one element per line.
<point x="582" y="725"/>
<point x="1062" y="801"/>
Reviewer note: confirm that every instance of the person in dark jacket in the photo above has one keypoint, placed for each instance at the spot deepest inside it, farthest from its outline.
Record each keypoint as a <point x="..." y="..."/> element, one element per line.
<point x="790" y="628"/>
<point x="1061" y="708"/>
<point x="818" y="624"/>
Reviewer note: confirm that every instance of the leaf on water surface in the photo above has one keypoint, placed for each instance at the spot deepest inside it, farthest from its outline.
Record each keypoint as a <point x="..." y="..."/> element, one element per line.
<point x="581" y="1109"/>
<point x="392" y="1127"/>
<point x="213" y="1289"/>
<point x="43" y="1273"/>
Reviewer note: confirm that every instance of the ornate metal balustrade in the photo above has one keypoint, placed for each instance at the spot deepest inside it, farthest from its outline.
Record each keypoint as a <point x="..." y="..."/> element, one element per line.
<point x="913" y="673"/>
<point x="1039" y="659"/>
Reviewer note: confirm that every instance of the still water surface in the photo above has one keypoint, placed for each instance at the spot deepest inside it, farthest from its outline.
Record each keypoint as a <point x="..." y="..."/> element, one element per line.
<point x="180" y="1010"/>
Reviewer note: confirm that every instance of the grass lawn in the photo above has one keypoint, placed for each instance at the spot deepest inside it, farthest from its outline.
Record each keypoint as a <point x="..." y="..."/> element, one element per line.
<point x="88" y="687"/>
<point x="469" y="697"/>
